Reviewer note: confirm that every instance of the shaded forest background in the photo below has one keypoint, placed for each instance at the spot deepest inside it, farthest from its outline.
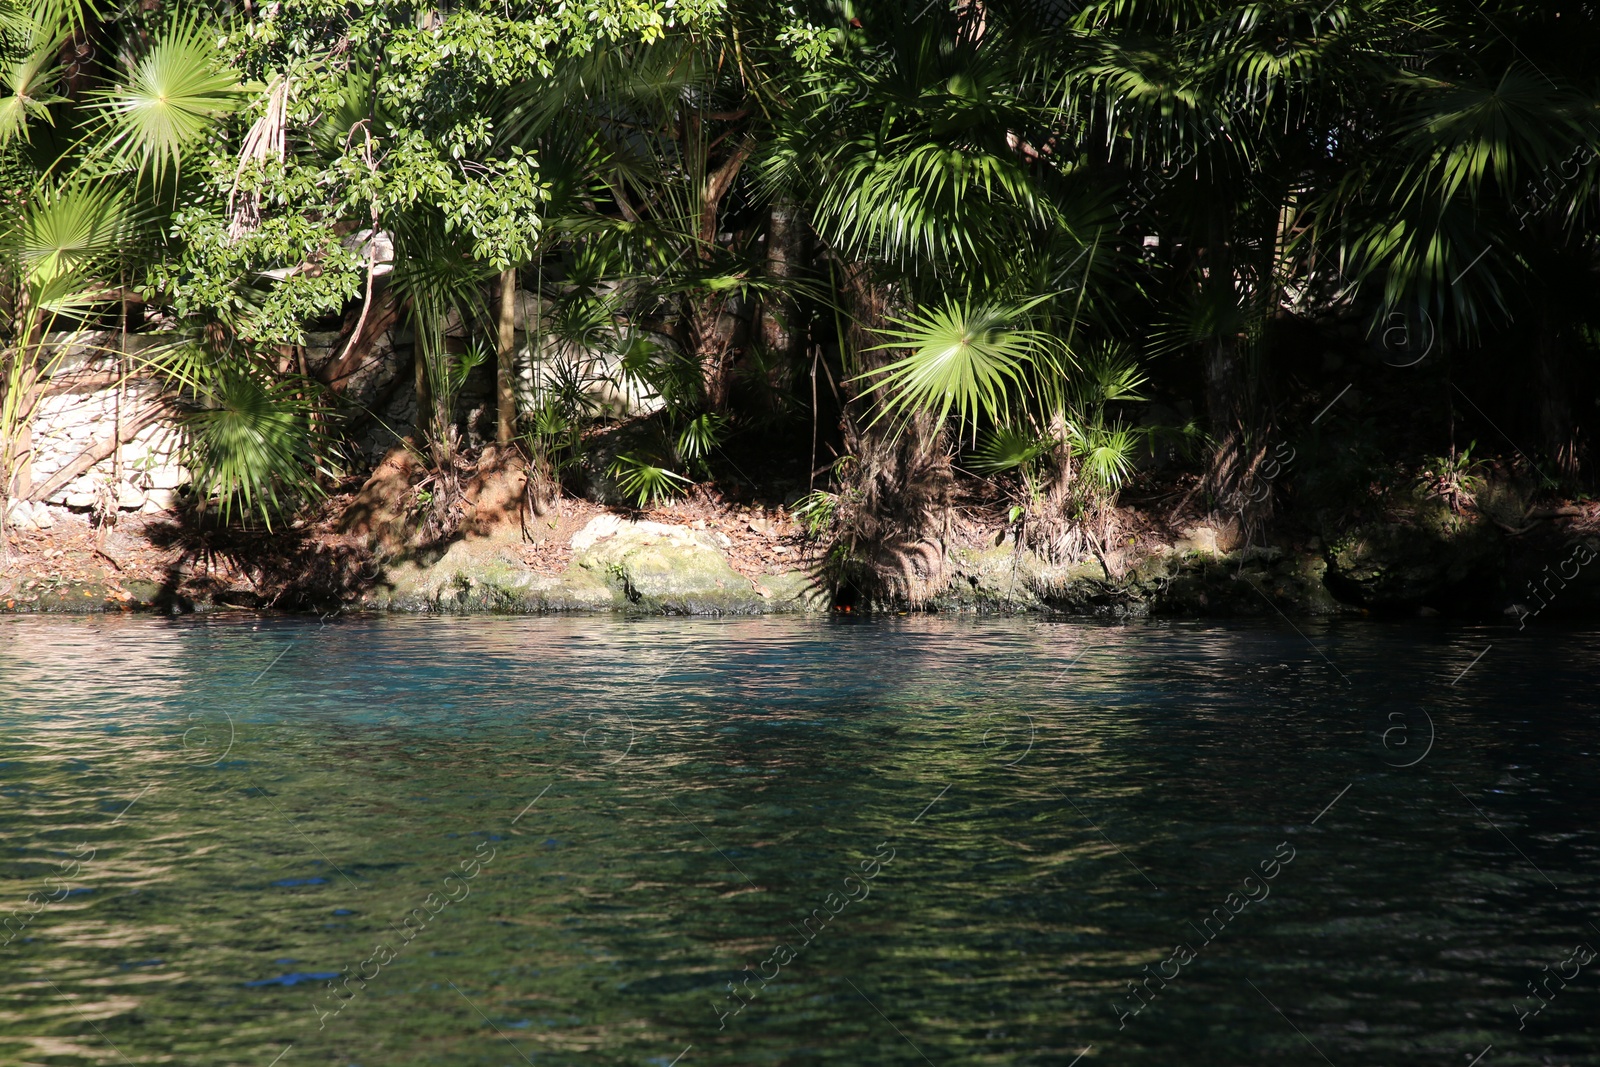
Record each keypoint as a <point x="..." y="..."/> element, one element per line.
<point x="1281" y="260"/>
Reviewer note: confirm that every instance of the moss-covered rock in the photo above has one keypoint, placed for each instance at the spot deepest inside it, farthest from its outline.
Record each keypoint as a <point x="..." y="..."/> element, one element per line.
<point x="1417" y="561"/>
<point x="665" y="569"/>
<point x="792" y="591"/>
<point x="998" y="580"/>
<point x="1189" y="582"/>
<point x="483" y="576"/>
<point x="1406" y="565"/>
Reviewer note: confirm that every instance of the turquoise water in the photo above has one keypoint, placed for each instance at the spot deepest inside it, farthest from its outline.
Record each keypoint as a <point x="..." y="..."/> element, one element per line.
<point x="904" y="841"/>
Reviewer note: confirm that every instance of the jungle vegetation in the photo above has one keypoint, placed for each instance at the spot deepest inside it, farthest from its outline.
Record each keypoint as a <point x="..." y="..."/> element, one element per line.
<point x="912" y="243"/>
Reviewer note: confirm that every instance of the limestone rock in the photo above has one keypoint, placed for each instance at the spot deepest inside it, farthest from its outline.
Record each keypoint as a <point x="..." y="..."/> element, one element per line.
<point x="167" y="477"/>
<point x="19" y="516"/>
<point x="1200" y="539"/>
<point x="530" y="310"/>
<point x="474" y="576"/>
<point x="661" y="567"/>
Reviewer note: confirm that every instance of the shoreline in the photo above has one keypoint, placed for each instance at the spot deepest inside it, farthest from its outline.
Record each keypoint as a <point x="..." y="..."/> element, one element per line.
<point x="593" y="560"/>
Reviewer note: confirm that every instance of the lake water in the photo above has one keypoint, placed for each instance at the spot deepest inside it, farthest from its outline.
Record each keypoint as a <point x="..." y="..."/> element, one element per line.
<point x="897" y="841"/>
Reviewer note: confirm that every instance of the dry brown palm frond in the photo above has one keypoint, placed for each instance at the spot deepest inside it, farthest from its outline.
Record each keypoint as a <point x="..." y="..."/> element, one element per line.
<point x="263" y="143"/>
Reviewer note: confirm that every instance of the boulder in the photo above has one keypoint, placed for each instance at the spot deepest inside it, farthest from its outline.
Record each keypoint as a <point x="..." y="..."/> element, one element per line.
<point x="476" y="576"/>
<point x="19" y="516"/>
<point x="1400" y="566"/>
<point x="664" y="568"/>
<point x="618" y="565"/>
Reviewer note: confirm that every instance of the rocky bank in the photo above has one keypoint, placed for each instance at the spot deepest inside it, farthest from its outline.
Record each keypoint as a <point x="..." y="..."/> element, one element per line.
<point x="596" y="559"/>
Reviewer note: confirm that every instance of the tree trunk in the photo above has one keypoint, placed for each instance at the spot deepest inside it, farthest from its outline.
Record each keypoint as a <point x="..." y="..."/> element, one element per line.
<point x="376" y="318"/>
<point x="22" y="456"/>
<point x="1224" y="410"/>
<point x="896" y="503"/>
<point x="715" y="333"/>
<point x="780" y="332"/>
<point x="421" y="428"/>
<point x="1553" y="399"/>
<point x="24" y="374"/>
<point x="1229" y="406"/>
<point x="504" y="375"/>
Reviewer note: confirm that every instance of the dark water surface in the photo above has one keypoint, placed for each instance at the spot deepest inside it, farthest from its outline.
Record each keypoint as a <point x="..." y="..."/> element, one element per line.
<point x="906" y="841"/>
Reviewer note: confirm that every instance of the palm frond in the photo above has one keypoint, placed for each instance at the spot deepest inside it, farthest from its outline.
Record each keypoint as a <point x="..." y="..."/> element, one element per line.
<point x="700" y="436"/>
<point x="1007" y="448"/>
<point x="962" y="357"/>
<point x="256" y="446"/>
<point x="1105" y="454"/>
<point x="169" y="100"/>
<point x="71" y="228"/>
<point x="645" y="482"/>
<point x="30" y="81"/>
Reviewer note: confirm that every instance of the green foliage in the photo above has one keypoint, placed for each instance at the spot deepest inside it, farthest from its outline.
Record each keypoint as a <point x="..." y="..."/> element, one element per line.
<point x="700" y="436"/>
<point x="1104" y="446"/>
<point x="254" y="445"/>
<point x="51" y="251"/>
<point x="1106" y="454"/>
<point x="460" y="366"/>
<point x="816" y="511"/>
<point x="963" y="357"/>
<point x="908" y="137"/>
<point x="1008" y="448"/>
<point x="31" y="81"/>
<point x="1456" y="479"/>
<point x="168" y="101"/>
<point x="646" y="482"/>
<point x="1330" y="160"/>
<point x="68" y="234"/>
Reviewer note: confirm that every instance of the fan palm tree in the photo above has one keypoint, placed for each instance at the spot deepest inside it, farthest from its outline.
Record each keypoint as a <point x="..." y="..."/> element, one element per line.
<point x="256" y="441"/>
<point x="1468" y="206"/>
<point x="961" y="226"/>
<point x="1242" y="107"/>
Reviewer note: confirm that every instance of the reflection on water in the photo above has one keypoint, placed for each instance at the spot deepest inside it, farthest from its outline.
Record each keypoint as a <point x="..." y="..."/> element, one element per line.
<point x="550" y="841"/>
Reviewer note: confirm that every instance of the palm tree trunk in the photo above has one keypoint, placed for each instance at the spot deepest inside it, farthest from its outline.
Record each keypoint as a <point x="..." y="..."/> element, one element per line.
<point x="1223" y="409"/>
<point x="785" y="252"/>
<point x="421" y="425"/>
<point x="1552" y="398"/>
<point x="505" y="395"/>
<point x="901" y="487"/>
<point x="1230" y="406"/>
